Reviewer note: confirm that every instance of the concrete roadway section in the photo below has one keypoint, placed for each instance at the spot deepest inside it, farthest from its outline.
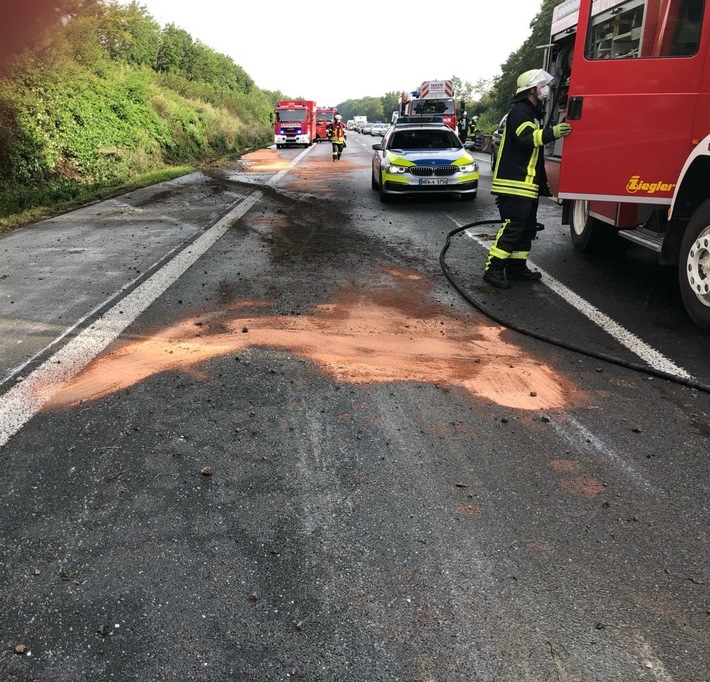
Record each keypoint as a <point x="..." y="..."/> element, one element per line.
<point x="310" y="458"/>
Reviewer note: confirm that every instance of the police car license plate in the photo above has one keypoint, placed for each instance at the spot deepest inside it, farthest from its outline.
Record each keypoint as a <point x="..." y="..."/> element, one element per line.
<point x="433" y="181"/>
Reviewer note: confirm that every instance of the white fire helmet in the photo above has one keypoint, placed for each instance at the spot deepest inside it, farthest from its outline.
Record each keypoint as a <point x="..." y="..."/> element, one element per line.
<point x="338" y="117"/>
<point x="533" y="78"/>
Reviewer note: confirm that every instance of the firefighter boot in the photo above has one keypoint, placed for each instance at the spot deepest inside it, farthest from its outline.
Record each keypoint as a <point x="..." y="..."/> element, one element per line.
<point x="518" y="269"/>
<point x="494" y="274"/>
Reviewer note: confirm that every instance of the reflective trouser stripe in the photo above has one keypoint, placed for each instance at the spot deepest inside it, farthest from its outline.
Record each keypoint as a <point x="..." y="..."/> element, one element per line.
<point x="495" y="252"/>
<point x="513" y="240"/>
<point x="515" y="188"/>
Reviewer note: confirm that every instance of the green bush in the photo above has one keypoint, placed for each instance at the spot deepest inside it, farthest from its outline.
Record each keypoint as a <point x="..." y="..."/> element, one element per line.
<point x="71" y="129"/>
<point x="92" y="109"/>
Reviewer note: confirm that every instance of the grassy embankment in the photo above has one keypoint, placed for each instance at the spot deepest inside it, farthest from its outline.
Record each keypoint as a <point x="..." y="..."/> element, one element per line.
<point x="111" y="102"/>
<point x="70" y="137"/>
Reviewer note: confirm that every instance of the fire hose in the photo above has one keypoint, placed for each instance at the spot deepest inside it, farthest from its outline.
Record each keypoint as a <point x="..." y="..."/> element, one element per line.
<point x="637" y="367"/>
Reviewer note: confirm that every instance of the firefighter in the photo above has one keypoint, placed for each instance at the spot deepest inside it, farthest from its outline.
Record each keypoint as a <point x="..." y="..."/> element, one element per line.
<point x="463" y="127"/>
<point x="519" y="179"/>
<point x="473" y="132"/>
<point x="337" y="137"/>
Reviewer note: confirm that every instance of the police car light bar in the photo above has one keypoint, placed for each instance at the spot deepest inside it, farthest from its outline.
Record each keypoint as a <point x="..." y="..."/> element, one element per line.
<point x="418" y="118"/>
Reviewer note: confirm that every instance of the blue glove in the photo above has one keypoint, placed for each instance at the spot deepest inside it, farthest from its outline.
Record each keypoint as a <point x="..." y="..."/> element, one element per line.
<point x="561" y="130"/>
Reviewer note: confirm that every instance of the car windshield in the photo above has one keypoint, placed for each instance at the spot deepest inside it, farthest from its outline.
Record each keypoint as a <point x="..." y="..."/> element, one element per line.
<point x="424" y="139"/>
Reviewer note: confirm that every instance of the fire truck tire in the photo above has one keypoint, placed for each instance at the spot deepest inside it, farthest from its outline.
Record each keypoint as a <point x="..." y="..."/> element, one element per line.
<point x="588" y="234"/>
<point x="694" y="267"/>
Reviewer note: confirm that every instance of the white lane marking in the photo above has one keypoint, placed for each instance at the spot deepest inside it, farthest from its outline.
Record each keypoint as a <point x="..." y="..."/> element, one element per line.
<point x="581" y="437"/>
<point x="274" y="179"/>
<point x="25" y="399"/>
<point x="653" y="664"/>
<point x="626" y="338"/>
<point x="16" y="371"/>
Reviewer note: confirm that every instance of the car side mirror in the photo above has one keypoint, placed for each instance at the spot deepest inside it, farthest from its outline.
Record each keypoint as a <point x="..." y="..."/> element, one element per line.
<point x="377" y="147"/>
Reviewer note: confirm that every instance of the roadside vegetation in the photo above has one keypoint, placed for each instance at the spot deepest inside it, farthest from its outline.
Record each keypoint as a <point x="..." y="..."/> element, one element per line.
<point x="108" y="100"/>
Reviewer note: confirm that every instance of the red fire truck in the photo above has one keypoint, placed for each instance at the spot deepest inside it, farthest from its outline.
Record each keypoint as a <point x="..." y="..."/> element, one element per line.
<point x="324" y="119"/>
<point x="632" y="78"/>
<point x="294" y="123"/>
<point x="432" y="97"/>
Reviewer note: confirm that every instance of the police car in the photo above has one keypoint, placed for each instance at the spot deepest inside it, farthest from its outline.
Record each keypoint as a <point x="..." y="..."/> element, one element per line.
<point x="423" y="156"/>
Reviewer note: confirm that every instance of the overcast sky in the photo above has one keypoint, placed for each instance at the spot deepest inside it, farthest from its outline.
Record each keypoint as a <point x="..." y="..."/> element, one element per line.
<point x="332" y="52"/>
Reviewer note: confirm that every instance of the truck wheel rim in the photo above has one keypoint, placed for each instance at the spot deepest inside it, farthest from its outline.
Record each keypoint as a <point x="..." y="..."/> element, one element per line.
<point x="699" y="267"/>
<point x="580" y="216"/>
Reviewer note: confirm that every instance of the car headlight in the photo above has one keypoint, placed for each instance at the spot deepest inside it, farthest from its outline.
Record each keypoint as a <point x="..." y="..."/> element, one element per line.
<point x="394" y="169"/>
<point x="469" y="168"/>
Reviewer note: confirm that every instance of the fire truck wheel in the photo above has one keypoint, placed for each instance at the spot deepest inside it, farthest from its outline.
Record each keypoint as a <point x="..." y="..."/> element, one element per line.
<point x="694" y="267"/>
<point x="588" y="234"/>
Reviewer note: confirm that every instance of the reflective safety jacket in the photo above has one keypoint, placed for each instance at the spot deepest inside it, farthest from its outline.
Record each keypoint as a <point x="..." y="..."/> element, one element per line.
<point x="337" y="133"/>
<point x="520" y="163"/>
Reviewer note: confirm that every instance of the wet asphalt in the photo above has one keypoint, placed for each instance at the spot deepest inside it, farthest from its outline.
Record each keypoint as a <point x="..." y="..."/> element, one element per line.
<point x="311" y="458"/>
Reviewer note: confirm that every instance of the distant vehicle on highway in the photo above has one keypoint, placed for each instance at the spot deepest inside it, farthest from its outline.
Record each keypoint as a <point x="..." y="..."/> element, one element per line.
<point x="379" y="129"/>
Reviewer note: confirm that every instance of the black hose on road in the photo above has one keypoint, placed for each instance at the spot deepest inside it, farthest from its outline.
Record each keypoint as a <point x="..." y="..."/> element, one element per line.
<point x="645" y="369"/>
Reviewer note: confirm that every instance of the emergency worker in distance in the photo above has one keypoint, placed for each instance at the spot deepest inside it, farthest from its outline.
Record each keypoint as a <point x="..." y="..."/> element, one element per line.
<point x="337" y="136"/>
<point x="473" y="128"/>
<point x="519" y="179"/>
<point x="463" y="127"/>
